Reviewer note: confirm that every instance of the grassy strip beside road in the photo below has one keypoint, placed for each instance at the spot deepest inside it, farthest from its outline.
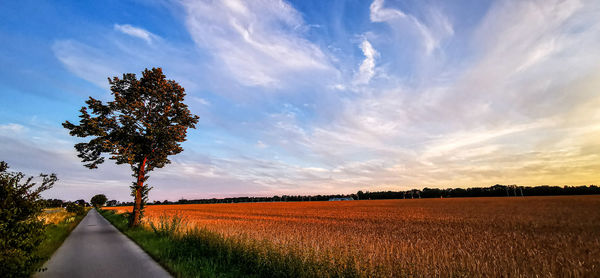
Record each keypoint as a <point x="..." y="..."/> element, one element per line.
<point x="202" y="253"/>
<point x="56" y="232"/>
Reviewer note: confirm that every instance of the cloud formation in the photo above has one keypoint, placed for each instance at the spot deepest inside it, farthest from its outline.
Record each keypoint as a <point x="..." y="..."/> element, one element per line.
<point x="421" y="95"/>
<point x="432" y="34"/>
<point x="367" y="67"/>
<point x="381" y="14"/>
<point x="499" y="119"/>
<point x="135" y="32"/>
<point x="259" y="43"/>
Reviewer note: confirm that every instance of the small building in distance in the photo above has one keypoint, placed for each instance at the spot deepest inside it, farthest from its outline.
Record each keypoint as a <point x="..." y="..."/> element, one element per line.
<point x="342" y="199"/>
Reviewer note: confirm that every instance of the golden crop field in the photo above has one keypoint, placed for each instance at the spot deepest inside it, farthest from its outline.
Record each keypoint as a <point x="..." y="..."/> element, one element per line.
<point x="56" y="215"/>
<point x="508" y="237"/>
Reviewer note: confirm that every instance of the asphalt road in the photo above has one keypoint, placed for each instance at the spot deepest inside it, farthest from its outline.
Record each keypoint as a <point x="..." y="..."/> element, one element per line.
<point x="96" y="248"/>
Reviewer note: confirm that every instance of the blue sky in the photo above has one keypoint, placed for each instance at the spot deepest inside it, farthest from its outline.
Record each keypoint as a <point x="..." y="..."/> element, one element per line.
<point x="315" y="97"/>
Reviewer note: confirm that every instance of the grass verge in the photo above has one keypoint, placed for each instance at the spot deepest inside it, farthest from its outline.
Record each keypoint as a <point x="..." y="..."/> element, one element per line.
<point x="55" y="235"/>
<point x="203" y="253"/>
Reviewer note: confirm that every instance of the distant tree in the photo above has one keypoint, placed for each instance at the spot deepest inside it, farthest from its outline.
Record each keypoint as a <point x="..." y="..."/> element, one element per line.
<point x="360" y="195"/>
<point x="111" y="203"/>
<point x="81" y="202"/>
<point x="142" y="126"/>
<point x="21" y="231"/>
<point x="98" y="200"/>
<point x="53" y="203"/>
<point x="75" y="208"/>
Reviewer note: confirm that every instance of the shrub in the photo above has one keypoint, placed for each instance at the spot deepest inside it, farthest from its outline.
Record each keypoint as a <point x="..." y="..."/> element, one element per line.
<point x="75" y="208"/>
<point x="167" y="226"/>
<point x="21" y="231"/>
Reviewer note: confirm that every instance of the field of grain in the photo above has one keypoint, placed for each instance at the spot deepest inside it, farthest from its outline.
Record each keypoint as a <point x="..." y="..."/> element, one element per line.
<point x="510" y="237"/>
<point x="56" y="215"/>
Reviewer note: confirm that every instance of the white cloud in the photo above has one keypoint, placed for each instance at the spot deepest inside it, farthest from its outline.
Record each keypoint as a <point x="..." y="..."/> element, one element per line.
<point x="381" y="14"/>
<point x="367" y="67"/>
<point x="87" y="62"/>
<point x="437" y="29"/>
<point x="438" y="26"/>
<point x="259" y="43"/>
<point x="110" y="55"/>
<point x="201" y="100"/>
<point x="451" y="143"/>
<point x="11" y="128"/>
<point x="135" y="32"/>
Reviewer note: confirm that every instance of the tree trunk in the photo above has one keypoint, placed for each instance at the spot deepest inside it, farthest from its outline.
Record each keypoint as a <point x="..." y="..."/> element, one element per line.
<point x="138" y="194"/>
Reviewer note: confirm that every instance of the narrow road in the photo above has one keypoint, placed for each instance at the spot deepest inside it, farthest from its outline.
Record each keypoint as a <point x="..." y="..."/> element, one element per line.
<point x="96" y="248"/>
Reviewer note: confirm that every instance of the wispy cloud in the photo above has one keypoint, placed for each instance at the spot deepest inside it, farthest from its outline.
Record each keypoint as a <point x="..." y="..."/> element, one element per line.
<point x="260" y="44"/>
<point x="135" y="32"/>
<point x="112" y="55"/>
<point x="381" y="14"/>
<point x="432" y="34"/>
<point x="497" y="120"/>
<point x="201" y="100"/>
<point x="11" y="128"/>
<point x="89" y="63"/>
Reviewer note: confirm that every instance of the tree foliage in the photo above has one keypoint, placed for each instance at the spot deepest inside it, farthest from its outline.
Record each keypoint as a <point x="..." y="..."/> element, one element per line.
<point x="142" y="126"/>
<point x="54" y="203"/>
<point x="75" y="208"/>
<point x="20" y="229"/>
<point x="98" y="200"/>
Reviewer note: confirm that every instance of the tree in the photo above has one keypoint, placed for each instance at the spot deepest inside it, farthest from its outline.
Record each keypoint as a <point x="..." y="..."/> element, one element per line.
<point x="53" y="203"/>
<point x="360" y="195"/>
<point x="98" y="200"/>
<point x="21" y="231"/>
<point x="81" y="202"/>
<point x="142" y="126"/>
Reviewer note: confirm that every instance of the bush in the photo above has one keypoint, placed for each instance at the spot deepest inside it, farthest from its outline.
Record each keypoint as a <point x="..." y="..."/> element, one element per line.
<point x="75" y="208"/>
<point x="20" y="229"/>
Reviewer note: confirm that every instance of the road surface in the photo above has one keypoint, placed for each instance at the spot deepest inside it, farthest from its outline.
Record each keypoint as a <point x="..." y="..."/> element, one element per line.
<point x="96" y="248"/>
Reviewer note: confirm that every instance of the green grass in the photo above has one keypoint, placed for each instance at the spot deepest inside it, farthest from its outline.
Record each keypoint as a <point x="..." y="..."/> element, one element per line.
<point x="202" y="253"/>
<point x="55" y="235"/>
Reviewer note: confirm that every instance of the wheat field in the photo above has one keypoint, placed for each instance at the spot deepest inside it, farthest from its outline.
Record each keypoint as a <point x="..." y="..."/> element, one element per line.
<point x="510" y="237"/>
<point x="56" y="215"/>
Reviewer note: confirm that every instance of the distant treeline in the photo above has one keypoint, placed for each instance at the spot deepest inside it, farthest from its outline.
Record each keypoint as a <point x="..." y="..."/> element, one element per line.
<point x="55" y="203"/>
<point x="492" y="191"/>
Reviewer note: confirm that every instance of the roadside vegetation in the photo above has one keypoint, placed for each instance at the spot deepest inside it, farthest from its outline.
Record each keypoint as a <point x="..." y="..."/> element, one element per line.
<point x="492" y="237"/>
<point x="21" y="231"/>
<point x="29" y="232"/>
<point x="200" y="252"/>
<point x="56" y="216"/>
<point x="58" y="225"/>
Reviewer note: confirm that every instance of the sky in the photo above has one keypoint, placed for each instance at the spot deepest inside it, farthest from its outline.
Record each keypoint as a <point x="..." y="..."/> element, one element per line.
<point x="314" y="97"/>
